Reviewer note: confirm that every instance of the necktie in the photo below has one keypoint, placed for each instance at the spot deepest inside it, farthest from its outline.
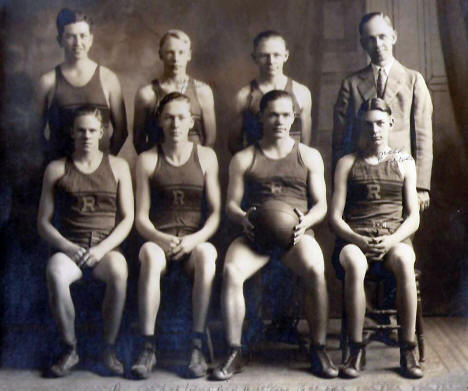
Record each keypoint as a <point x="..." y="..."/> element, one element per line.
<point x="380" y="83"/>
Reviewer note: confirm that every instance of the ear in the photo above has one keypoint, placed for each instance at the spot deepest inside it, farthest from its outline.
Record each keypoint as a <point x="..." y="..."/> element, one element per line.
<point x="160" y="54"/>
<point x="91" y="39"/>
<point x="254" y="58"/>
<point x="101" y="132"/>
<point x="192" y="122"/>
<point x="189" y="54"/>
<point x="286" y="55"/>
<point x="363" y="43"/>
<point x="394" y="37"/>
<point x="59" y="40"/>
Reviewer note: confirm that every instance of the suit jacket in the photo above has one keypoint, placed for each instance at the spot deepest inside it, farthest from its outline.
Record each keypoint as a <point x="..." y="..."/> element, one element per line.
<point x="407" y="95"/>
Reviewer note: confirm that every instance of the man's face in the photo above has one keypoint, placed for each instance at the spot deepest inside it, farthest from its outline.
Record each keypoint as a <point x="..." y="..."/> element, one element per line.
<point x="376" y="124"/>
<point x="176" y="120"/>
<point x="86" y="133"/>
<point x="377" y="39"/>
<point x="277" y="118"/>
<point x="175" y="54"/>
<point x="76" y="40"/>
<point x="270" y="56"/>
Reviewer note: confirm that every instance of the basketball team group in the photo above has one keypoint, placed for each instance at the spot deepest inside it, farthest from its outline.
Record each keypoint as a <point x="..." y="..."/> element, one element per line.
<point x="382" y="159"/>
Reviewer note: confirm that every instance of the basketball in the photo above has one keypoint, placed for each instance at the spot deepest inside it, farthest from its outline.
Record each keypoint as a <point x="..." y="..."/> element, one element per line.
<point x="274" y="223"/>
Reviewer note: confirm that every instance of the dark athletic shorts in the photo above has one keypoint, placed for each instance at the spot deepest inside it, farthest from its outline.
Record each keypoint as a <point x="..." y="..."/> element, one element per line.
<point x="376" y="267"/>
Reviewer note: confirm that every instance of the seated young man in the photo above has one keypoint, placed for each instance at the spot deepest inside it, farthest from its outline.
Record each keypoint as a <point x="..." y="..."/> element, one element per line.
<point x="83" y="194"/>
<point x="277" y="167"/>
<point x="374" y="213"/>
<point x="175" y="52"/>
<point x="177" y="181"/>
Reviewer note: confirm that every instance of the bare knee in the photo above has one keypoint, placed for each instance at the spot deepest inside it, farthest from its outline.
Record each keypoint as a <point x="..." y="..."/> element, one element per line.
<point x="205" y="255"/>
<point x="56" y="270"/>
<point x="401" y="260"/>
<point x="152" y="258"/>
<point x="354" y="262"/>
<point x="232" y="275"/>
<point x="117" y="271"/>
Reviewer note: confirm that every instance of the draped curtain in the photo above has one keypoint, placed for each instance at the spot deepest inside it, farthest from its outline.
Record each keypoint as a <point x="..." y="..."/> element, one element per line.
<point x="453" y="25"/>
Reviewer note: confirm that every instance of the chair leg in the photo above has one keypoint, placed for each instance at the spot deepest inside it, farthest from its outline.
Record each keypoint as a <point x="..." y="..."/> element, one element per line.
<point x="419" y="324"/>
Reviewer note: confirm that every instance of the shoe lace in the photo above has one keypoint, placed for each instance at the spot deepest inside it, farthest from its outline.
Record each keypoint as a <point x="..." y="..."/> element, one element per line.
<point x="230" y="359"/>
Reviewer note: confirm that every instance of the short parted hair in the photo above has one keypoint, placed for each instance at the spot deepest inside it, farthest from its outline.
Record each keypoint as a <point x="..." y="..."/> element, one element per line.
<point x="371" y="15"/>
<point x="174" y="33"/>
<point x="374" y="104"/>
<point x="87" y="110"/>
<point x="266" y="35"/>
<point x="169" y="98"/>
<point x="67" y="16"/>
<point x="273" y="95"/>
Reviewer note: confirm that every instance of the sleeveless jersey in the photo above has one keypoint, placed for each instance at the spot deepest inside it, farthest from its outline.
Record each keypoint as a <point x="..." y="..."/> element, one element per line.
<point x="67" y="98"/>
<point x="177" y="193"/>
<point x="375" y="193"/>
<point x="281" y="179"/>
<point x="86" y="204"/>
<point x="251" y="125"/>
<point x="152" y="129"/>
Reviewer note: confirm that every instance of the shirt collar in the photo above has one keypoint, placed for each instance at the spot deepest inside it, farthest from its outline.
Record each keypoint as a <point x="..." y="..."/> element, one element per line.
<point x="375" y="68"/>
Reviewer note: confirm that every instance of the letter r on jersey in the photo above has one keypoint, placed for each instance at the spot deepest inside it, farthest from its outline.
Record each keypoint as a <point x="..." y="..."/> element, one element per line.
<point x="373" y="191"/>
<point x="178" y="197"/>
<point x="88" y="204"/>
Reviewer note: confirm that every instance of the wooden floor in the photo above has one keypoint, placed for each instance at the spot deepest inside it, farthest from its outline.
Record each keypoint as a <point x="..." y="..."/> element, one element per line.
<point x="282" y="367"/>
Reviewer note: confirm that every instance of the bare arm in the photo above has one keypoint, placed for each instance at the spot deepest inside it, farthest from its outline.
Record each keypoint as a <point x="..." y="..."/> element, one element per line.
<point x="145" y="165"/>
<point x="209" y="164"/>
<point x="118" y="115"/>
<point x="205" y="95"/>
<point x="337" y="223"/>
<point x="306" y="114"/>
<point x="54" y="171"/>
<point x="125" y="204"/>
<point x="236" y="131"/>
<point x="42" y="96"/>
<point x="144" y="100"/>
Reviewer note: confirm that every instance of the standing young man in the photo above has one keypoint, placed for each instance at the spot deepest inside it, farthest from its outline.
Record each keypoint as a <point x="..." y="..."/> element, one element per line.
<point x="276" y="167"/>
<point x="83" y="194"/>
<point x="270" y="53"/>
<point x="177" y="181"/>
<point x="76" y="82"/>
<point x="175" y="52"/>
<point x="403" y="89"/>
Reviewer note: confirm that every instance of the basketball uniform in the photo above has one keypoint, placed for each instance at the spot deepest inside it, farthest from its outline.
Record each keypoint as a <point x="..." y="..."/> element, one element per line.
<point x="152" y="129"/>
<point x="251" y="125"/>
<point x="67" y="98"/>
<point x="280" y="179"/>
<point x="177" y="195"/>
<point x="86" y="204"/>
<point x="374" y="201"/>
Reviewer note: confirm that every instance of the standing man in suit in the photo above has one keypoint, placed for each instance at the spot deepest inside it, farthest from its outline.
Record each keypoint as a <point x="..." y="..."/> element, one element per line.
<point x="403" y="89"/>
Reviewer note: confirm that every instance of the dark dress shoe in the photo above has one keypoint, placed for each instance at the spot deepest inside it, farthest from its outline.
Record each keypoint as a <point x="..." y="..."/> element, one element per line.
<point x="409" y="364"/>
<point x="356" y="361"/>
<point x="321" y="364"/>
